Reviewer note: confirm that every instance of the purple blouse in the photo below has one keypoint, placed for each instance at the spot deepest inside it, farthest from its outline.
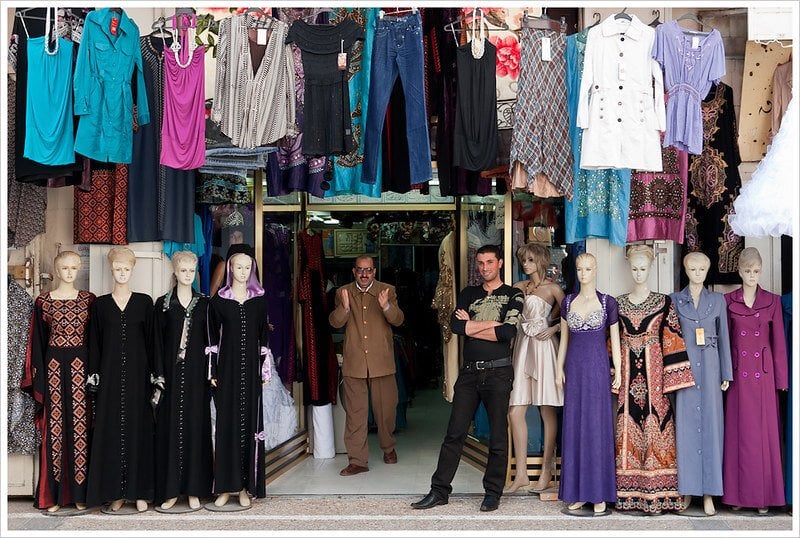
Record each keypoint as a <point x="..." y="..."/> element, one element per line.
<point x="691" y="63"/>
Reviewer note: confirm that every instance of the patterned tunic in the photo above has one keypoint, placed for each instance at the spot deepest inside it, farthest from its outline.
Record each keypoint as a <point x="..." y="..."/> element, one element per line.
<point x="22" y="436"/>
<point x="658" y="199"/>
<point x="601" y="201"/>
<point x="101" y="215"/>
<point x="56" y="375"/>
<point x="540" y="117"/>
<point x="654" y="362"/>
<point x="714" y="183"/>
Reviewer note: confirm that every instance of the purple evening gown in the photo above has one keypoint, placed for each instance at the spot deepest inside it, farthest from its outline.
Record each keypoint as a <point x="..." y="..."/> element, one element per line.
<point x="588" y="472"/>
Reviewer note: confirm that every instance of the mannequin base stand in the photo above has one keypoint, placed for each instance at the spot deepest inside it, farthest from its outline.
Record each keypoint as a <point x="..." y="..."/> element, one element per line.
<point x="549" y="494"/>
<point x="69" y="511"/>
<point x="752" y="512"/>
<point x="231" y="506"/>
<point x="587" y="510"/>
<point x="127" y="509"/>
<point x="180" y="507"/>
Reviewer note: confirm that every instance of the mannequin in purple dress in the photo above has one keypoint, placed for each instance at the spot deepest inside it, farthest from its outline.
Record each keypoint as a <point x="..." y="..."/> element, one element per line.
<point x="588" y="470"/>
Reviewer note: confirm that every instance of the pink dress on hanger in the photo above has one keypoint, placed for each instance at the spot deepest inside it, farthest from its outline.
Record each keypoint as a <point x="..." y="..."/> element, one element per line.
<point x="184" y="128"/>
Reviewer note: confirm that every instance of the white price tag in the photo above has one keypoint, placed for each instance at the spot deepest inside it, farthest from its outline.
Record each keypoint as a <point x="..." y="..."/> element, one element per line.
<point x="546" y="56"/>
<point x="261" y="36"/>
<point x="695" y="42"/>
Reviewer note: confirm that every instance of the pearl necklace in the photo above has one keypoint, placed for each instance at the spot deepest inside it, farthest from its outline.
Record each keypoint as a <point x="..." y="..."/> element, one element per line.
<point x="176" y="47"/>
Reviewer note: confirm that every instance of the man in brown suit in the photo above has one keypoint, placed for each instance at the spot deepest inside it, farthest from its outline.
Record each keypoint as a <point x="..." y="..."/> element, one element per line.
<point x="368" y="308"/>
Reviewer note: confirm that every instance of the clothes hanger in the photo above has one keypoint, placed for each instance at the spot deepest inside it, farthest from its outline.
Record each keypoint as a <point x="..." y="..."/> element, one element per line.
<point x="259" y="17"/>
<point x="398" y="11"/>
<point x="159" y="28"/>
<point x="622" y="15"/>
<point x="320" y="11"/>
<point x="597" y="18"/>
<point x="655" y="22"/>
<point x="694" y="18"/>
<point x="544" y="22"/>
<point x="473" y="15"/>
<point x="21" y="14"/>
<point x="255" y="11"/>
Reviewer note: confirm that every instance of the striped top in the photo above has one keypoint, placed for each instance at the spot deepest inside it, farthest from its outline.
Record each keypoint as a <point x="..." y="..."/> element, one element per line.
<point x="254" y="107"/>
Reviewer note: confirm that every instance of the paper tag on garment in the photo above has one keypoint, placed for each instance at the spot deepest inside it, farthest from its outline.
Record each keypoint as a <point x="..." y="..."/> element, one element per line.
<point x="546" y="56"/>
<point x="695" y="42"/>
<point x="114" y="25"/>
<point x="261" y="36"/>
<point x="700" y="336"/>
<point x="341" y="61"/>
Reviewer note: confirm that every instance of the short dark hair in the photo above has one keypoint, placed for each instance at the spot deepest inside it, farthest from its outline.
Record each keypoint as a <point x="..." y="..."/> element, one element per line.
<point x="491" y="249"/>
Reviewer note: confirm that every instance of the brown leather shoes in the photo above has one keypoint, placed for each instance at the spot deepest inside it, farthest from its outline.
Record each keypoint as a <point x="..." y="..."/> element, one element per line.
<point x="351" y="469"/>
<point x="390" y="457"/>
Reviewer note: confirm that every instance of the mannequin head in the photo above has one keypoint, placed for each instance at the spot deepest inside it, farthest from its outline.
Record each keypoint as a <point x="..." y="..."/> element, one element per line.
<point x="696" y="265"/>
<point x="66" y="265"/>
<point x="533" y="258"/>
<point x="122" y="260"/>
<point x="184" y="267"/>
<point x="750" y="267"/>
<point x="586" y="268"/>
<point x="640" y="259"/>
<point x="240" y="265"/>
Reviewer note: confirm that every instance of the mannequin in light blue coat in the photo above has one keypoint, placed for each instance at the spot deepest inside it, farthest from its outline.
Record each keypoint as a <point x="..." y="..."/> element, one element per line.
<point x="699" y="420"/>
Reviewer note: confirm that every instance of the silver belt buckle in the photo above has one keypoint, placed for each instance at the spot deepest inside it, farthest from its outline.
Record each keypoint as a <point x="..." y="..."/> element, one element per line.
<point x="479" y="365"/>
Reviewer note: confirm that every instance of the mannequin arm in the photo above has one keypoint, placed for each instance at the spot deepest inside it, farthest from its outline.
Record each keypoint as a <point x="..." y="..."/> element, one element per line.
<point x="562" y="353"/>
<point x="616" y="356"/>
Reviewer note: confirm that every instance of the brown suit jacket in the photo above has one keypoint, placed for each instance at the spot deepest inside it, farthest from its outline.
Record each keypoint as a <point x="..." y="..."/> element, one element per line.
<point x="368" y="344"/>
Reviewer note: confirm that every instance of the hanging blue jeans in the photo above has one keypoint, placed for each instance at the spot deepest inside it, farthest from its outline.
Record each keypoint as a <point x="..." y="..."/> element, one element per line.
<point x="397" y="49"/>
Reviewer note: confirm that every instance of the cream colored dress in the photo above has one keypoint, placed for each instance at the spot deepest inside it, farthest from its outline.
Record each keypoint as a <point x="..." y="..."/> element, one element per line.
<point x="535" y="360"/>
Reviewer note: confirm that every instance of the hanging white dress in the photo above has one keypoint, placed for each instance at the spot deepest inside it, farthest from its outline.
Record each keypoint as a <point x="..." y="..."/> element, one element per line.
<point x="766" y="202"/>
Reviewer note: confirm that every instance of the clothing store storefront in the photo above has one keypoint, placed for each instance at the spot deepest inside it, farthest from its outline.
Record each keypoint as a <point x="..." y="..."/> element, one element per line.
<point x="305" y="139"/>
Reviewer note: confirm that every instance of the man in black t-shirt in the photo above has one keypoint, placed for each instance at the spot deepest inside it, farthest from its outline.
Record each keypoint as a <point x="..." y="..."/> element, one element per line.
<point x="487" y="317"/>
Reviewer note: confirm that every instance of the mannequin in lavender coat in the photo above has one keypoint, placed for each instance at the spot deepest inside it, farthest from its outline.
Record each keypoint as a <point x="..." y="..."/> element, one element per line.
<point x="704" y="322"/>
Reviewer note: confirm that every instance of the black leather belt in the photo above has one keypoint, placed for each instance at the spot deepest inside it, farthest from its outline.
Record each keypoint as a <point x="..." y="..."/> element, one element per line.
<point x="487" y="365"/>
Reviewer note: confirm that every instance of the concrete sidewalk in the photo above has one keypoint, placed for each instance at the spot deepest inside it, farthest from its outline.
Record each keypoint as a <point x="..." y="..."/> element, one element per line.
<point x="372" y="513"/>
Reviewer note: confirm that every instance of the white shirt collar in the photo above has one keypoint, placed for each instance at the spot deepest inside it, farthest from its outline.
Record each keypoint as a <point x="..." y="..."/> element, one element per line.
<point x="632" y="29"/>
<point x="363" y="290"/>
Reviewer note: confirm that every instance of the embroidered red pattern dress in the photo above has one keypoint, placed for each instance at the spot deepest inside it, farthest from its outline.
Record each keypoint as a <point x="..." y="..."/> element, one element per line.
<point x="654" y="362"/>
<point x="55" y="375"/>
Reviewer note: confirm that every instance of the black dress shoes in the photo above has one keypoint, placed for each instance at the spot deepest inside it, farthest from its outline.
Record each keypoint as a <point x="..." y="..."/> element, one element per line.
<point x="429" y="501"/>
<point x="490" y="503"/>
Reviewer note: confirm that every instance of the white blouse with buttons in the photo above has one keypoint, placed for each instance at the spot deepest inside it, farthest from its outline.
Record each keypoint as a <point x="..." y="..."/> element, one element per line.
<point x="621" y="101"/>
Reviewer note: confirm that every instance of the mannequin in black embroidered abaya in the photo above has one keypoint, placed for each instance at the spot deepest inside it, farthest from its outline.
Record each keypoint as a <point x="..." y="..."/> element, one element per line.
<point x="120" y="371"/>
<point x="183" y="462"/>
<point x="238" y="333"/>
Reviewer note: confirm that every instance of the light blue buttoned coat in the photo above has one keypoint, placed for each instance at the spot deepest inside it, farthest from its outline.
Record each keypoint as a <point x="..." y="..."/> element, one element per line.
<point x="699" y="420"/>
<point x="103" y="95"/>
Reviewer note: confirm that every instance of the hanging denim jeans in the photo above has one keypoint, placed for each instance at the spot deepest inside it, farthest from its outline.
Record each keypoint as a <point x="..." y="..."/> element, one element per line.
<point x="397" y="49"/>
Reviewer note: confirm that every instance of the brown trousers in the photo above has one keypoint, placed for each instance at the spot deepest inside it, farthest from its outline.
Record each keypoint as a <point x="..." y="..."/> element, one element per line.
<point x="356" y="405"/>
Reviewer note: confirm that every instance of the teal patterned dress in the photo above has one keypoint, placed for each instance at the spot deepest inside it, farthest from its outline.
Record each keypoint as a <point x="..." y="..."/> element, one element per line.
<point x="601" y="199"/>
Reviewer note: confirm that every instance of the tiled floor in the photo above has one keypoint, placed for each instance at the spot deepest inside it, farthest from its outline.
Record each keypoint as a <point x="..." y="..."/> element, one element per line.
<point x="417" y="453"/>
